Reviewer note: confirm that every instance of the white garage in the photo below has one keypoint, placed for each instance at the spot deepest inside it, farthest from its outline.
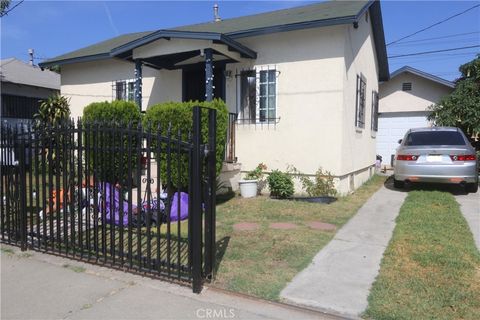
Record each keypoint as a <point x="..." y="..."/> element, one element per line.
<point x="392" y="127"/>
<point x="403" y="104"/>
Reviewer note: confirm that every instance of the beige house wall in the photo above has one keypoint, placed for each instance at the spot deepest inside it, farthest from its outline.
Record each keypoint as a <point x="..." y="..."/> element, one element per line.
<point x="89" y="82"/>
<point x="316" y="88"/>
<point x="358" y="145"/>
<point x="423" y="94"/>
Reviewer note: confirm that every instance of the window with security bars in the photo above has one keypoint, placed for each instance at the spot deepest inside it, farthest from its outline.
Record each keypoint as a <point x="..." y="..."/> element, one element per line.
<point x="123" y="90"/>
<point x="258" y="96"/>
<point x="360" y="101"/>
<point x="374" y="111"/>
<point x="267" y="96"/>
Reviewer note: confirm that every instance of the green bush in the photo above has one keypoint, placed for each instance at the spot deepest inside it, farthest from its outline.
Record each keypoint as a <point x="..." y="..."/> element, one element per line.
<point x="321" y="185"/>
<point x="109" y="164"/>
<point x="178" y="117"/>
<point x="280" y="184"/>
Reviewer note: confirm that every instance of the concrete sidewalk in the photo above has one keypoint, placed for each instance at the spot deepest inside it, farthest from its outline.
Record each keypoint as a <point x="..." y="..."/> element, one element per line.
<point x="41" y="286"/>
<point x="470" y="207"/>
<point x="341" y="274"/>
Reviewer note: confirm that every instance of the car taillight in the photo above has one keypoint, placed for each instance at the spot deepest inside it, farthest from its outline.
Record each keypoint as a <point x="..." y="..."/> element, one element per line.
<point x="463" y="157"/>
<point x="407" y="157"/>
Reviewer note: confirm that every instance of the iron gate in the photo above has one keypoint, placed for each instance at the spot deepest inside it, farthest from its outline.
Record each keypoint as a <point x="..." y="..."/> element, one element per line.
<point x="121" y="195"/>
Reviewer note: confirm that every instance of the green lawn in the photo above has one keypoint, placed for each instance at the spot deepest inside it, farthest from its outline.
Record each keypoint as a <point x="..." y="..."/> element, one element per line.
<point x="431" y="268"/>
<point x="262" y="262"/>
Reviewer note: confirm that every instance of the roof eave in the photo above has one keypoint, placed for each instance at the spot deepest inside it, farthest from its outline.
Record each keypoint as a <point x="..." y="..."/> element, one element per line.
<point x="243" y="50"/>
<point x="379" y="39"/>
<point x="95" y="57"/>
<point x="424" y="75"/>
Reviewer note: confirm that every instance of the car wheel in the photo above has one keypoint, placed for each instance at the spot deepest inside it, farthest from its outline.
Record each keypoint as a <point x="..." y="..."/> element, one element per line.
<point x="398" y="184"/>
<point x="471" y="187"/>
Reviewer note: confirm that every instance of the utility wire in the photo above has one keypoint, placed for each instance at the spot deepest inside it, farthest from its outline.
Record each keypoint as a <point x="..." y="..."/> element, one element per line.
<point x="7" y="11"/>
<point x="442" y="37"/>
<point x="433" y="51"/>
<point x="433" y="25"/>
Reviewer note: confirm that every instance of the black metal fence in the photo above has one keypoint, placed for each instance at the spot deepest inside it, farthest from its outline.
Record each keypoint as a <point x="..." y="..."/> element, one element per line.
<point x="114" y="194"/>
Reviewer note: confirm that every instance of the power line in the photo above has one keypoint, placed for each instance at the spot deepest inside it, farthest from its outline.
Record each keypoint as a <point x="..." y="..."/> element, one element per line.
<point x="7" y="11"/>
<point x="442" y="37"/>
<point x="433" y="25"/>
<point x="432" y="51"/>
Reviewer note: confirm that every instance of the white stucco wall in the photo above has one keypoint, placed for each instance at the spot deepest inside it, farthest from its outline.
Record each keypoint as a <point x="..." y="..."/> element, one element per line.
<point x="316" y="88"/>
<point x="423" y="94"/>
<point x="89" y="82"/>
<point x="358" y="144"/>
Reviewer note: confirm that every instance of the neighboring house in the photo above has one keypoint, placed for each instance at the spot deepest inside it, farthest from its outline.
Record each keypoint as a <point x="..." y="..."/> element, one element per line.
<point x="302" y="82"/>
<point x="404" y="102"/>
<point x="23" y="87"/>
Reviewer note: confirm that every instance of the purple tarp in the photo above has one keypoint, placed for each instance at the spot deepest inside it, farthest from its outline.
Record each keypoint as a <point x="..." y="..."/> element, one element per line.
<point x="176" y="211"/>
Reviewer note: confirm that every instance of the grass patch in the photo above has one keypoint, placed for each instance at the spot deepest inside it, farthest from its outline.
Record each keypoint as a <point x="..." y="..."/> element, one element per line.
<point x="7" y="250"/>
<point x="76" y="269"/>
<point x="262" y="262"/>
<point x="431" y="268"/>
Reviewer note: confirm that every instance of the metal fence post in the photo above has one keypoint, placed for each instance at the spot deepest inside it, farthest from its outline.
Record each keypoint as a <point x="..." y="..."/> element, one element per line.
<point x="23" y="196"/>
<point x="196" y="203"/>
<point x="210" y="195"/>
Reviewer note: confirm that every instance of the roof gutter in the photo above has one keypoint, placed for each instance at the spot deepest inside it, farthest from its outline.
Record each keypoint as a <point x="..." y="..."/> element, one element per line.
<point x="95" y="57"/>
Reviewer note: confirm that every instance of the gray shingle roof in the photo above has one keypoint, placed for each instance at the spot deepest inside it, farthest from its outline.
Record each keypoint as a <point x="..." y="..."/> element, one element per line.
<point x="16" y="71"/>
<point x="314" y="12"/>
<point x="100" y="48"/>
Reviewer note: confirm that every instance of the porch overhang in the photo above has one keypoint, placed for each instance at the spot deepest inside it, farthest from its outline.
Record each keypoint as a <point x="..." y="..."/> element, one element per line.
<point x="220" y="40"/>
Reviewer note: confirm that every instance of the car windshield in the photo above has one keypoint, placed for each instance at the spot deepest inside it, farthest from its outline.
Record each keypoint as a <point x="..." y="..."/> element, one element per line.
<point x="434" y="138"/>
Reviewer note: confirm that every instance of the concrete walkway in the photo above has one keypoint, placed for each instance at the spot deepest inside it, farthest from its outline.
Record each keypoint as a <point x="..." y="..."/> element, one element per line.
<point x="41" y="286"/>
<point x="341" y="274"/>
<point x="470" y="207"/>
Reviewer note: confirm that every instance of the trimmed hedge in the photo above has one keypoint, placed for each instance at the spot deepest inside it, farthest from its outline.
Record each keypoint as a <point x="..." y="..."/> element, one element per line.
<point x="110" y="165"/>
<point x="280" y="184"/>
<point x="178" y="115"/>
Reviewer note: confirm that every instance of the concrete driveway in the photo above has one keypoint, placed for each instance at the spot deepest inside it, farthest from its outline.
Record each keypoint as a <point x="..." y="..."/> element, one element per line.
<point x="470" y="207"/>
<point x="341" y="274"/>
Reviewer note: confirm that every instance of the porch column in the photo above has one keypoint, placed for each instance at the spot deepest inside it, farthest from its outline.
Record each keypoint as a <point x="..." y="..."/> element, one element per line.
<point x="208" y="74"/>
<point x="138" y="83"/>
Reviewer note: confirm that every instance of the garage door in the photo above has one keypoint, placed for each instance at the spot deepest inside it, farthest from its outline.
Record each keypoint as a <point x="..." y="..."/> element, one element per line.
<point x="392" y="127"/>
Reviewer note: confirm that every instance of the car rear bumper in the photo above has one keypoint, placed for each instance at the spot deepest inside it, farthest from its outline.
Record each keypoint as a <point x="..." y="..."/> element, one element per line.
<point x="438" y="173"/>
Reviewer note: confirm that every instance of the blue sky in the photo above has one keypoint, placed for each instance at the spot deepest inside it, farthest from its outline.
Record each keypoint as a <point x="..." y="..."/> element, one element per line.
<point x="56" y="27"/>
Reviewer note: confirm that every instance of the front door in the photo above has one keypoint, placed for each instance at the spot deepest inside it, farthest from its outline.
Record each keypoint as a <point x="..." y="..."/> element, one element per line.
<point x="194" y="83"/>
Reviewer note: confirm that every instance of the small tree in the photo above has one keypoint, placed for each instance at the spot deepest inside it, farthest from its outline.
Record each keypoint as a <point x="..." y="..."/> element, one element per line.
<point x="53" y="113"/>
<point x="461" y="108"/>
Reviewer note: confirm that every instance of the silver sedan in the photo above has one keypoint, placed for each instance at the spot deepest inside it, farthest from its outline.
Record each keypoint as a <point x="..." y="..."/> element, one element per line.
<point x="439" y="155"/>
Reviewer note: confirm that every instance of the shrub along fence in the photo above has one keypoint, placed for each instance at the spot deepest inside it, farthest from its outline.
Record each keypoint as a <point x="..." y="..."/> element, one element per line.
<point x="91" y="210"/>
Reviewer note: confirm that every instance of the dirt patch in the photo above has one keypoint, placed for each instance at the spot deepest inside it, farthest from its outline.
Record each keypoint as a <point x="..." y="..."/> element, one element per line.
<point x="283" y="225"/>
<point x="318" y="225"/>
<point x="245" y="226"/>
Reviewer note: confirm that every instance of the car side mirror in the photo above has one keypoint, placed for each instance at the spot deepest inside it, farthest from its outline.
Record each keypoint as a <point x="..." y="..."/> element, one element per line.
<point x="400" y="141"/>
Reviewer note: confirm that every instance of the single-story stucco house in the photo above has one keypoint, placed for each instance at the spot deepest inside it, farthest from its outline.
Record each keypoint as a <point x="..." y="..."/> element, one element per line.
<point x="302" y="82"/>
<point x="403" y="104"/>
<point x="23" y="87"/>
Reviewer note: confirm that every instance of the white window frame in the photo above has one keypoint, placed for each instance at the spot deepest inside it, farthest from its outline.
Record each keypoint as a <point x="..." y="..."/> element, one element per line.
<point x="128" y="94"/>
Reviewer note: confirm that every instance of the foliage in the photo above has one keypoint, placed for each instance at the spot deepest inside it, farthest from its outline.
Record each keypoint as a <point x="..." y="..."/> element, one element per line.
<point x="462" y="107"/>
<point x="174" y="119"/>
<point x="4" y="5"/>
<point x="97" y="116"/>
<point x="321" y="185"/>
<point x="53" y="113"/>
<point x="257" y="173"/>
<point x="280" y="184"/>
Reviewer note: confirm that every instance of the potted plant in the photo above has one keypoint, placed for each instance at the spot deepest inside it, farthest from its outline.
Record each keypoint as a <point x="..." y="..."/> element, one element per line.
<point x="249" y="186"/>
